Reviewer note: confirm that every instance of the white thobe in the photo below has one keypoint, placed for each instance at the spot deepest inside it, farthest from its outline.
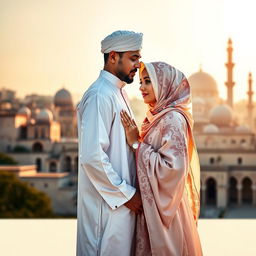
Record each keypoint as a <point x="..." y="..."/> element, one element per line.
<point x="106" y="173"/>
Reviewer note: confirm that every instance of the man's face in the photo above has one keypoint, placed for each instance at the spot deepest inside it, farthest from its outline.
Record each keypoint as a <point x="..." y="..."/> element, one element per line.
<point x="127" y="65"/>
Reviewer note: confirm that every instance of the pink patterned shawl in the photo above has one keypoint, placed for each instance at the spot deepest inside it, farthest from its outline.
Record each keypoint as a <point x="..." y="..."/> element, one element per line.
<point x="173" y="94"/>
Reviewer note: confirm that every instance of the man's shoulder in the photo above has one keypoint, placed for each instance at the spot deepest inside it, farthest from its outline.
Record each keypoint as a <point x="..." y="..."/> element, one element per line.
<point x="100" y="88"/>
<point x="98" y="94"/>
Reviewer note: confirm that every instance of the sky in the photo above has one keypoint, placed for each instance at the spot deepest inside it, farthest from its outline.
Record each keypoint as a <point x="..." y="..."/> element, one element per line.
<point x="50" y="44"/>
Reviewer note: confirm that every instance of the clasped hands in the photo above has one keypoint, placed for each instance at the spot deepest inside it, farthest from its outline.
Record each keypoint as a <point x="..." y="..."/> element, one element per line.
<point x="135" y="203"/>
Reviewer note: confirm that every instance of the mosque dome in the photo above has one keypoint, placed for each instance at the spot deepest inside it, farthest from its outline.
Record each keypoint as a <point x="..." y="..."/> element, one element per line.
<point x="203" y="83"/>
<point x="63" y="98"/>
<point x="221" y="115"/>
<point x="198" y="101"/>
<point x="25" y="111"/>
<point x="210" y="128"/>
<point x="44" y="116"/>
<point x="243" y="129"/>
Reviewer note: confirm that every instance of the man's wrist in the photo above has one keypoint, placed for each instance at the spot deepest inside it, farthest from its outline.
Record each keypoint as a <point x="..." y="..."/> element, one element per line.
<point x="135" y="145"/>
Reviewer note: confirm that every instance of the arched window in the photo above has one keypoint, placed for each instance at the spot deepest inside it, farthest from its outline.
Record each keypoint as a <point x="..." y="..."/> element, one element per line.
<point x="232" y="191"/>
<point x="39" y="164"/>
<point x="219" y="158"/>
<point x="247" y="191"/>
<point x="211" y="160"/>
<point x="211" y="191"/>
<point x="67" y="164"/>
<point x="239" y="160"/>
<point x="53" y="167"/>
<point x="23" y="132"/>
<point x="37" y="147"/>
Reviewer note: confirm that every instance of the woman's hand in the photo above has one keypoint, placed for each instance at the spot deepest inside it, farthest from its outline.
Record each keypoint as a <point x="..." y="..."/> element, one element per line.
<point x="130" y="127"/>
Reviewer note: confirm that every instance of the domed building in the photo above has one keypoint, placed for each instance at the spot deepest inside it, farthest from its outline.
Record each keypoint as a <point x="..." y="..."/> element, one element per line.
<point x="63" y="98"/>
<point x="221" y="116"/>
<point x="210" y="128"/>
<point x="205" y="96"/>
<point x="43" y="127"/>
<point x="25" y="111"/>
<point x="65" y="113"/>
<point x="44" y="116"/>
<point x="243" y="129"/>
<point x="204" y="86"/>
<point x="31" y="134"/>
<point x="226" y="147"/>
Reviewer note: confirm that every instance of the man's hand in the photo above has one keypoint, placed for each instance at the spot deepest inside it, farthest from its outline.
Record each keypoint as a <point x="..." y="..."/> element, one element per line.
<point x="135" y="203"/>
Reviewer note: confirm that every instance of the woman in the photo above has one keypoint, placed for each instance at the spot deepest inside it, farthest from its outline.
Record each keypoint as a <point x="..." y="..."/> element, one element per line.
<point x="167" y="165"/>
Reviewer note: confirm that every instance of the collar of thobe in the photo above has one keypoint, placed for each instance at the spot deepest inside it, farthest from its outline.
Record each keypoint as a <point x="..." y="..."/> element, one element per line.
<point x="112" y="79"/>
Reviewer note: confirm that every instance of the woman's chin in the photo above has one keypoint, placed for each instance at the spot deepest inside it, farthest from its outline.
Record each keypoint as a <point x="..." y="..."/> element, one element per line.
<point x="149" y="102"/>
<point x="146" y="101"/>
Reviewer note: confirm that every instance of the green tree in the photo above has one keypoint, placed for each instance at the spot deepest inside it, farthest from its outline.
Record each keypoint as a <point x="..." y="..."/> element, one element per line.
<point x="5" y="159"/>
<point x="19" y="200"/>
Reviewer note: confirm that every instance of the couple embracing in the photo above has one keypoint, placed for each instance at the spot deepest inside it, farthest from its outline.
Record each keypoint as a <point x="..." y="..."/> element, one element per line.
<point x="138" y="189"/>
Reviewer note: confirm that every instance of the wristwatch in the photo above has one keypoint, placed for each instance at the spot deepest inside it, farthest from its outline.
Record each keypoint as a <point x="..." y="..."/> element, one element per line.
<point x="135" y="145"/>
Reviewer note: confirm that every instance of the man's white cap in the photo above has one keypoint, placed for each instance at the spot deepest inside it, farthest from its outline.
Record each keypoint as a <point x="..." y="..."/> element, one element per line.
<point x="122" y="41"/>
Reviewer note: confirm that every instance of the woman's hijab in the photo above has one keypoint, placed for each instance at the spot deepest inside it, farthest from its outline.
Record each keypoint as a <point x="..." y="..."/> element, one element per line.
<point x="172" y="92"/>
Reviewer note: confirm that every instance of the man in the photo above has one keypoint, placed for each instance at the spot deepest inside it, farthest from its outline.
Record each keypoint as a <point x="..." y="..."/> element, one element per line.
<point x="107" y="199"/>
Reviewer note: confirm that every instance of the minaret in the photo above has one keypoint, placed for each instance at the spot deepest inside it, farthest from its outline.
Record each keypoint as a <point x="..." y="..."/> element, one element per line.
<point x="250" y="101"/>
<point x="230" y="84"/>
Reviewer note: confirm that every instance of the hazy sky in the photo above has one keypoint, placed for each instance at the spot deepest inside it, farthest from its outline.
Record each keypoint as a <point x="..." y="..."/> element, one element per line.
<point x="45" y="44"/>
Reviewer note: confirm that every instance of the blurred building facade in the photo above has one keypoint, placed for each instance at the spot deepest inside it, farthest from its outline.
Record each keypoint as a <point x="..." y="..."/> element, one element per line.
<point x="42" y="131"/>
<point x="226" y="145"/>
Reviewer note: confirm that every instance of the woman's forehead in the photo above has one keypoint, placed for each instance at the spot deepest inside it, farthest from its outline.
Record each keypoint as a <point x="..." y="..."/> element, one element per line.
<point x="144" y="73"/>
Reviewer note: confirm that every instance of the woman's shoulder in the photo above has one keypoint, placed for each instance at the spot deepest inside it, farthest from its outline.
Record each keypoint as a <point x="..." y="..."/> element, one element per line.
<point x="174" y="118"/>
<point x="173" y="124"/>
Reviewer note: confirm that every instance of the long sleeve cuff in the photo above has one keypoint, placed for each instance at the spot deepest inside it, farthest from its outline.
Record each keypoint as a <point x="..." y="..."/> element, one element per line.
<point x="128" y="193"/>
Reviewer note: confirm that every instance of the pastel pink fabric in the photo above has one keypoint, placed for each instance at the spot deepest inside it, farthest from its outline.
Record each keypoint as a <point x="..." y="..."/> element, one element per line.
<point x="166" y="159"/>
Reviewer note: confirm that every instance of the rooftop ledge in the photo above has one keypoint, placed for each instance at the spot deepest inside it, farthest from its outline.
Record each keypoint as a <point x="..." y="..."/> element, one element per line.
<point x="29" y="171"/>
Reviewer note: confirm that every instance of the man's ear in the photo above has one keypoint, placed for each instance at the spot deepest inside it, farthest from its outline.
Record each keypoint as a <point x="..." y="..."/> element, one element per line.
<point x="113" y="56"/>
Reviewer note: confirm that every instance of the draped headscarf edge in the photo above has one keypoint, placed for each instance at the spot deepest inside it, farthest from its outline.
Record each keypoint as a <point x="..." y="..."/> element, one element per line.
<point x="192" y="184"/>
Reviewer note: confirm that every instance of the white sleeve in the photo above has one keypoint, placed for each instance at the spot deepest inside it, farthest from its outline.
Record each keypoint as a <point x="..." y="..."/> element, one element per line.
<point x="96" y="122"/>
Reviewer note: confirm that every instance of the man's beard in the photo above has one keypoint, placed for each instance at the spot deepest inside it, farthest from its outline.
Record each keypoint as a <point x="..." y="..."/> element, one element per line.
<point x="125" y="78"/>
<point x="122" y="76"/>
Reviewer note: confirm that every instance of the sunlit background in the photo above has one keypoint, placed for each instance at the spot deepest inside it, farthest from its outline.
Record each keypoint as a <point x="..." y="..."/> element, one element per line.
<point x="51" y="43"/>
<point x="50" y="54"/>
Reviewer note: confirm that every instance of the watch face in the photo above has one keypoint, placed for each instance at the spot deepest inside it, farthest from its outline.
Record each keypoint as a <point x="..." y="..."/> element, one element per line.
<point x="135" y="145"/>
